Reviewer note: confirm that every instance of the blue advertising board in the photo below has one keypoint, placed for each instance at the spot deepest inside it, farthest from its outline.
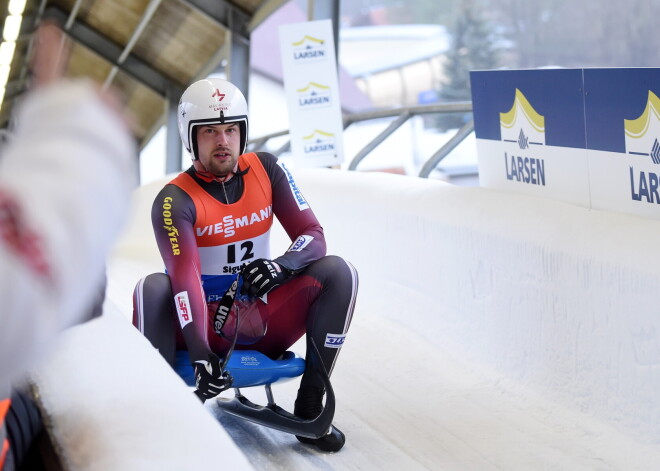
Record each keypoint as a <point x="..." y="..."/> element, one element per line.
<point x="585" y="136"/>
<point x="529" y="126"/>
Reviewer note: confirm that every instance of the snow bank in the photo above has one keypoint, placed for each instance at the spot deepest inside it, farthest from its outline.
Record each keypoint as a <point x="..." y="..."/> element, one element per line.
<point x="561" y="299"/>
<point x="111" y="402"/>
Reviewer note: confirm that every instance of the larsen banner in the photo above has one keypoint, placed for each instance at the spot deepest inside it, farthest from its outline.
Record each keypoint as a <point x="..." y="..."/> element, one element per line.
<point x="529" y="126"/>
<point x="586" y="136"/>
<point x="622" y="113"/>
<point x="312" y="91"/>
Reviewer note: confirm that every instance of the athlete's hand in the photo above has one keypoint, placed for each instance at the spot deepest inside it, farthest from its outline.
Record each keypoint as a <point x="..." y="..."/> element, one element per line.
<point x="49" y="62"/>
<point x="50" y="55"/>
<point x="209" y="377"/>
<point x="261" y="276"/>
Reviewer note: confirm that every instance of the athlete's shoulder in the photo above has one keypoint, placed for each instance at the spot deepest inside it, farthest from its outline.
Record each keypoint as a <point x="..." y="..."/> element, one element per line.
<point x="185" y="178"/>
<point x="271" y="164"/>
<point x="284" y="184"/>
<point x="174" y="200"/>
<point x="171" y="189"/>
<point x="176" y="186"/>
<point x="267" y="159"/>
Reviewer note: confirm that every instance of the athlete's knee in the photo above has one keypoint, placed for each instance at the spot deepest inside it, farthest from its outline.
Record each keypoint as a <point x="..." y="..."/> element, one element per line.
<point x="347" y="270"/>
<point x="332" y="265"/>
<point x="157" y="284"/>
<point x="333" y="269"/>
<point x="151" y="291"/>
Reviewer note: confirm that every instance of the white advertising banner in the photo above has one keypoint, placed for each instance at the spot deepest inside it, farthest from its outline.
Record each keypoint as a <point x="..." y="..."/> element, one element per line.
<point x="312" y="92"/>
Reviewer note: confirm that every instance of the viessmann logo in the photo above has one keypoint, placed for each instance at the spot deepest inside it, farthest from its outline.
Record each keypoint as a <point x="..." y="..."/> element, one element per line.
<point x="230" y="223"/>
<point x="642" y="139"/>
<point x="314" y="95"/>
<point x="309" y="49"/>
<point x="523" y="132"/>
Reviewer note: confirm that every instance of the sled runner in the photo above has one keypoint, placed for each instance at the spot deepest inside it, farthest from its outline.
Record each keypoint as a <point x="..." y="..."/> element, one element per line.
<point x="249" y="368"/>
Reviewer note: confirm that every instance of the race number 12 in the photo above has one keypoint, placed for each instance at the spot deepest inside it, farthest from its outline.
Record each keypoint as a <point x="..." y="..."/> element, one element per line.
<point x="245" y="250"/>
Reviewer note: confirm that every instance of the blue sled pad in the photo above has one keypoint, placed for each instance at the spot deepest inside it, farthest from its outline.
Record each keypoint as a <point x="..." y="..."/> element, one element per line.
<point x="248" y="368"/>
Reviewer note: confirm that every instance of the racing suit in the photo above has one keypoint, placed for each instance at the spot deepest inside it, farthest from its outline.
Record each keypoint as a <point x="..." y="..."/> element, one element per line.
<point x="207" y="230"/>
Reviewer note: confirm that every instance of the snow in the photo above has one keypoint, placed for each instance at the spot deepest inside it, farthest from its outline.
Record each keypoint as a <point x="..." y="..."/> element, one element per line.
<point x="492" y="331"/>
<point x="111" y="403"/>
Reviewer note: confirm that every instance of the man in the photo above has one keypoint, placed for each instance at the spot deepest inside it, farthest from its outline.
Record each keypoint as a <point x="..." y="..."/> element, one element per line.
<point x="54" y="239"/>
<point x="212" y="222"/>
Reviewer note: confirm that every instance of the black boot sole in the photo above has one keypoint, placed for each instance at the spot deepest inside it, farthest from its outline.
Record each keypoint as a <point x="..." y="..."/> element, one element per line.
<point x="333" y="441"/>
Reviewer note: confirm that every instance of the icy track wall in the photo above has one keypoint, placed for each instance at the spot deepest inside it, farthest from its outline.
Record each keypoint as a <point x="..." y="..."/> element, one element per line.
<point x="109" y="400"/>
<point x="560" y="299"/>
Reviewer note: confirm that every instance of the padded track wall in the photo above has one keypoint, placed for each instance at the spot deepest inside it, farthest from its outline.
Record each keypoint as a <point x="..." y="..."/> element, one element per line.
<point x="561" y="299"/>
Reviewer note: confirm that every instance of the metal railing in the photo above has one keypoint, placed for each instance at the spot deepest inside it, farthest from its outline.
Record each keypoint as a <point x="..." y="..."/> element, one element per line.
<point x="401" y="115"/>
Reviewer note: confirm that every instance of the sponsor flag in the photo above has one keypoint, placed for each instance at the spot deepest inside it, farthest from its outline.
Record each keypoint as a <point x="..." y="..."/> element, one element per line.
<point x="312" y="92"/>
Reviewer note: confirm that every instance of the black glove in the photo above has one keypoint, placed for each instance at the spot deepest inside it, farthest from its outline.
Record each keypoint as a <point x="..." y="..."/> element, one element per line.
<point x="209" y="377"/>
<point x="262" y="275"/>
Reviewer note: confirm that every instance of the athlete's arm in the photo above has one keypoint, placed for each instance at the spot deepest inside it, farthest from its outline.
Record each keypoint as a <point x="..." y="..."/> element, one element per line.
<point x="65" y="183"/>
<point x="173" y="217"/>
<point x="296" y="217"/>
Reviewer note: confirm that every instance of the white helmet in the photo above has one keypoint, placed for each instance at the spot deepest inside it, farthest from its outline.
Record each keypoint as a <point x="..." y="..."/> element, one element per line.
<point x="211" y="101"/>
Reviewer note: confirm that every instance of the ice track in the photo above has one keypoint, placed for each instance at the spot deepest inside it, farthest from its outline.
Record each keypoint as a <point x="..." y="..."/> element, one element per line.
<point x="489" y="358"/>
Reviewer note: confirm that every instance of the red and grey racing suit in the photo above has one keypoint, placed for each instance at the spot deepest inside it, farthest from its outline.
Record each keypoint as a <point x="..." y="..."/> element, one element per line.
<point x="206" y="230"/>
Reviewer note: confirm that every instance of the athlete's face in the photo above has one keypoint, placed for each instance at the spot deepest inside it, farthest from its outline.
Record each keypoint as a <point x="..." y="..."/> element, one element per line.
<point x="218" y="147"/>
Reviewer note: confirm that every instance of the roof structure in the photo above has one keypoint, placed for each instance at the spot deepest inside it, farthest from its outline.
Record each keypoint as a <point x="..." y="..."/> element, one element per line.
<point x="149" y="50"/>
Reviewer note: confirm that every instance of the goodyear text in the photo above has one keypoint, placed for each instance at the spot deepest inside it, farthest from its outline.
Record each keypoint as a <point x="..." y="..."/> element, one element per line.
<point x="172" y="232"/>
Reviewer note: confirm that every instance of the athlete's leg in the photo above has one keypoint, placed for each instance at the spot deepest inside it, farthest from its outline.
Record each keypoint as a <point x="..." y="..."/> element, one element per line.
<point x="328" y="321"/>
<point x="154" y="315"/>
<point x="327" y="324"/>
<point x="318" y="302"/>
<point x="330" y="315"/>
